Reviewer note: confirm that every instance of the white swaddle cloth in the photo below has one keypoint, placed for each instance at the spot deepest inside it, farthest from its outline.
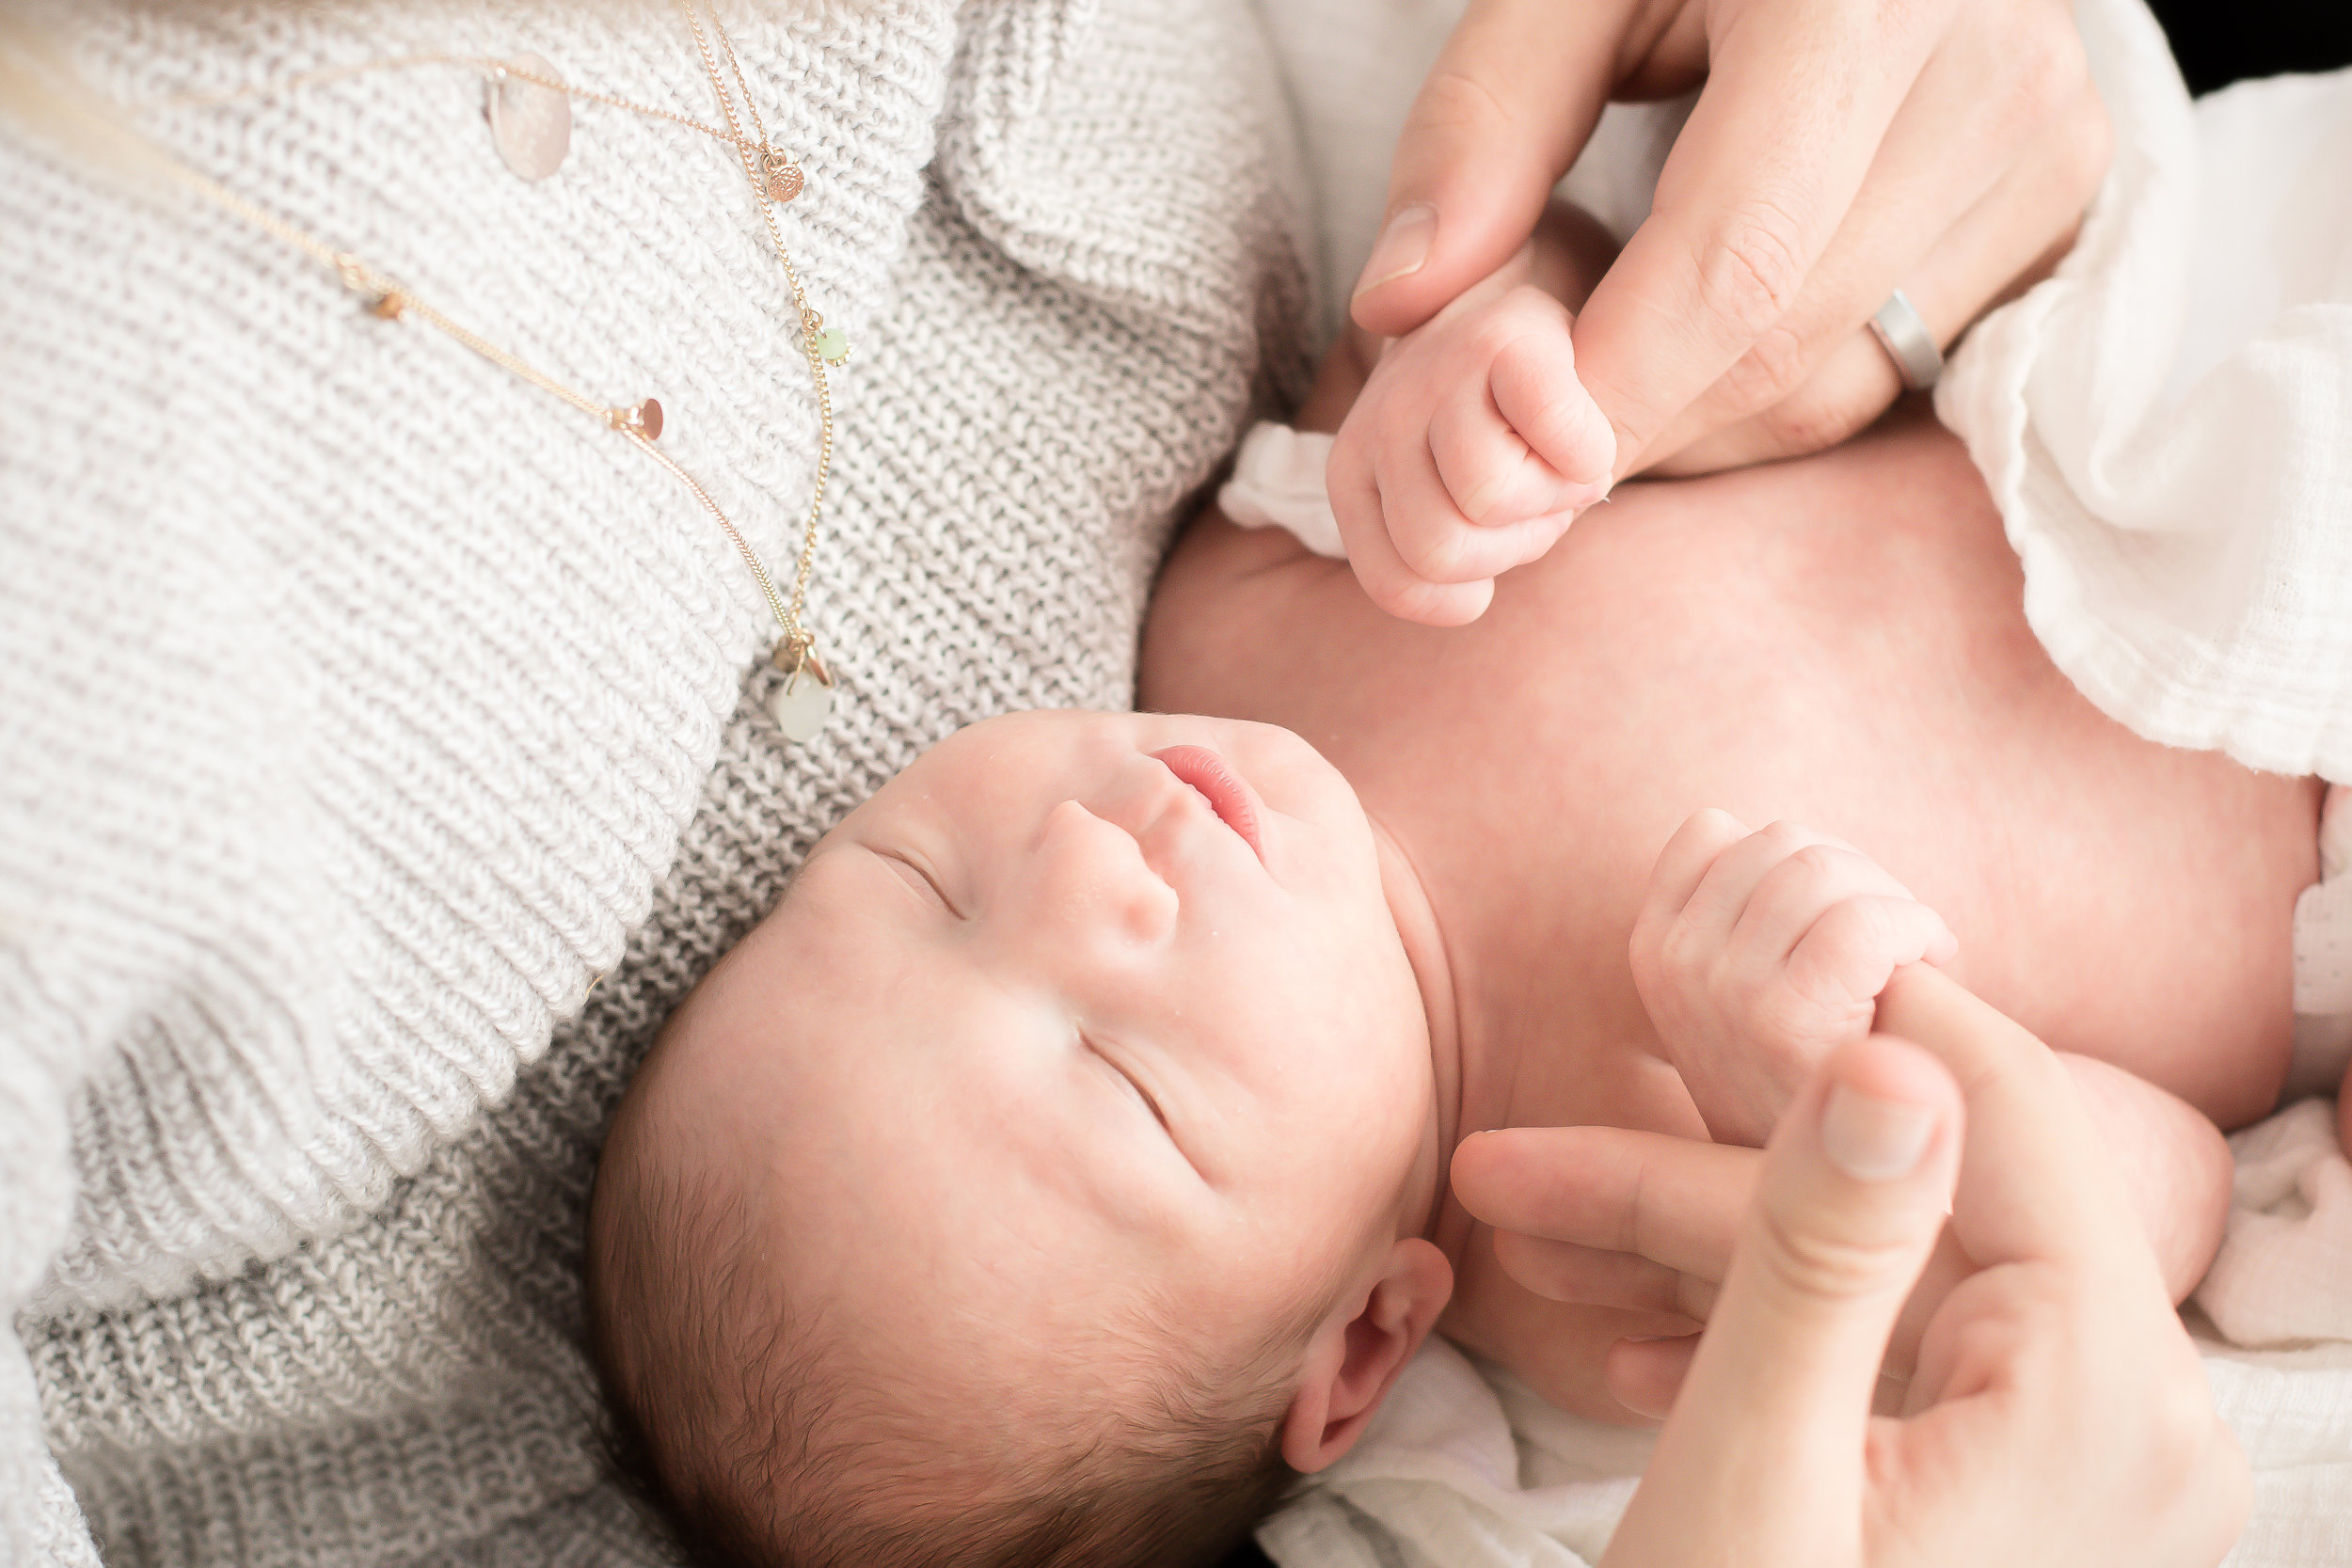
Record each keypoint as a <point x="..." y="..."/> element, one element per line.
<point x="2167" y="424"/>
<point x="1277" y="483"/>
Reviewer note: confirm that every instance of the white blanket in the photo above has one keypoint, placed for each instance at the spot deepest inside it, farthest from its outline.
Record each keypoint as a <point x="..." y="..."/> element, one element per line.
<point x="2168" y="427"/>
<point x="2167" y="424"/>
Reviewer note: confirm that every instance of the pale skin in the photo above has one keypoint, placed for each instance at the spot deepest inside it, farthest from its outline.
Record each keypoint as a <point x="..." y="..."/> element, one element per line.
<point x="1119" y="1027"/>
<point x="1012" y="1019"/>
<point x="1836" y="643"/>
<point x="1733" y="642"/>
<point x="1087" y="1007"/>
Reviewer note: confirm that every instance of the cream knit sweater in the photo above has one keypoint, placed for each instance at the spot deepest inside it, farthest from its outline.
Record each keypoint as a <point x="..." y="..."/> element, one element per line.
<point x="359" y="704"/>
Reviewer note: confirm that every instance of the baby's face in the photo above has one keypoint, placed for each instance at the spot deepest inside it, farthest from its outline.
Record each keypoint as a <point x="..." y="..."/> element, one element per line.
<point x="1084" y="1019"/>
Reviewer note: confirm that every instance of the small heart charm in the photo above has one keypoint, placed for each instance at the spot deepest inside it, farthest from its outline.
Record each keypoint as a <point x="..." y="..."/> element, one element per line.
<point x="799" y="703"/>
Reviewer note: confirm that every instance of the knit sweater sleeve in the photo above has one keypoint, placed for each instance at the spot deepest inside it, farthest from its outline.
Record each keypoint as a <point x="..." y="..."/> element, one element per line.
<point x="40" y="1521"/>
<point x="361" y="705"/>
<point x="353" y="692"/>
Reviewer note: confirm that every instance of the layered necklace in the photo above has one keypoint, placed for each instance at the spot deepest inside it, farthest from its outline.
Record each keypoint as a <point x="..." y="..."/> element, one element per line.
<point x="528" y="112"/>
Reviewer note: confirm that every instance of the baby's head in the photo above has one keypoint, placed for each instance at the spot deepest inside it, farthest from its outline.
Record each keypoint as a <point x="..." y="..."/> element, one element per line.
<point x="1043" y="1181"/>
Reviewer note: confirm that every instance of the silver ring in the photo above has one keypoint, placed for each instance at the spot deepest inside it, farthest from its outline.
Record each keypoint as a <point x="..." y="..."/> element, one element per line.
<point x="1907" y="341"/>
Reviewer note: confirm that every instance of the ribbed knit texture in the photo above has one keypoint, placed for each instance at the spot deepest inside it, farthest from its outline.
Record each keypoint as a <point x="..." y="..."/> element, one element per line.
<point x="362" y="703"/>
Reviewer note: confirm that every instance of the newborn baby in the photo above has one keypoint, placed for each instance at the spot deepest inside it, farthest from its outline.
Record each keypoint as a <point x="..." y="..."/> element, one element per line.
<point x="1061" y="1167"/>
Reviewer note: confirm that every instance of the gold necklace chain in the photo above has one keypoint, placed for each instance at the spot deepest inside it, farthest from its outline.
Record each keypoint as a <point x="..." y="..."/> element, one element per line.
<point x="817" y="344"/>
<point x="488" y="66"/>
<point x="774" y="177"/>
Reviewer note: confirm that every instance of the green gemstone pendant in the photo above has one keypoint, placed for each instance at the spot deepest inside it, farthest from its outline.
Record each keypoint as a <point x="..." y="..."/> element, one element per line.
<point x="833" y="345"/>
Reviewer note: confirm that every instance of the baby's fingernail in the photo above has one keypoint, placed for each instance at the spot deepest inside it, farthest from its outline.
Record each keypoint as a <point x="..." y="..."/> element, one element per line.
<point x="1404" y="246"/>
<point x="1872" y="1139"/>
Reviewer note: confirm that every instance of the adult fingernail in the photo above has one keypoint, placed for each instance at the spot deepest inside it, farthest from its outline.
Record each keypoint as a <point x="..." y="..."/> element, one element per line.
<point x="1404" y="246"/>
<point x="1872" y="1139"/>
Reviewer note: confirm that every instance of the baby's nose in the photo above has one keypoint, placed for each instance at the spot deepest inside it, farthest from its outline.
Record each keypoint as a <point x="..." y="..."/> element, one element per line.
<point x="1099" y="881"/>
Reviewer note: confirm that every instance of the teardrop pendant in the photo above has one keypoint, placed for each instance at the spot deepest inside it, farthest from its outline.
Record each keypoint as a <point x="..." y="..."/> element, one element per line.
<point x="531" y="122"/>
<point x="799" y="703"/>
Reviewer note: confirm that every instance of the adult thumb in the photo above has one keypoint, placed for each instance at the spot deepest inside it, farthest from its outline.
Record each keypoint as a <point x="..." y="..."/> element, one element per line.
<point x="1857" y="1180"/>
<point x="1771" y="1425"/>
<point x="1499" y="119"/>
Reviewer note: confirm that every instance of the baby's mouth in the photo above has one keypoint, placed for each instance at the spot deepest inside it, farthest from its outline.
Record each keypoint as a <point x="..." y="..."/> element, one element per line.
<point x="1228" y="793"/>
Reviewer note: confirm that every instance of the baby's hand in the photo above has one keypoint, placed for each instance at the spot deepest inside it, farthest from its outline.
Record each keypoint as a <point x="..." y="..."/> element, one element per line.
<point x="1471" y="449"/>
<point x="1758" y="954"/>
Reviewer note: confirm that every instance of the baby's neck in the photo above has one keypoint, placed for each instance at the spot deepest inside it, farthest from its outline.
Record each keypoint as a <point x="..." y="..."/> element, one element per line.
<point x="1452" y="1073"/>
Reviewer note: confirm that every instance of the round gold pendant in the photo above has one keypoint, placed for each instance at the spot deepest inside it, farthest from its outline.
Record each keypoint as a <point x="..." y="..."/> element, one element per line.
<point x="782" y="175"/>
<point x="799" y="703"/>
<point x="531" y="123"/>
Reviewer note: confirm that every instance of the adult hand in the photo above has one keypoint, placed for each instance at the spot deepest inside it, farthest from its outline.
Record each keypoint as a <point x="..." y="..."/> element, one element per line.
<point x="1840" y="149"/>
<point x="2057" y="1414"/>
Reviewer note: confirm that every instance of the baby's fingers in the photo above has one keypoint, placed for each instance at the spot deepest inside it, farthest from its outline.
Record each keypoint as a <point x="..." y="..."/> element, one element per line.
<point x="1703" y="835"/>
<point x="1435" y="540"/>
<point x="1792" y="895"/>
<point x="1855" y="947"/>
<point x="1388" y="583"/>
<point x="1520" y="437"/>
<point x="1537" y="393"/>
<point x="1718" y="906"/>
<point x="1493" y="475"/>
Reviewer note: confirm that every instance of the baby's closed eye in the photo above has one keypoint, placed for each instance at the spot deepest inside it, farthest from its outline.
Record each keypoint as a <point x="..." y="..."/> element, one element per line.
<point x="919" y="877"/>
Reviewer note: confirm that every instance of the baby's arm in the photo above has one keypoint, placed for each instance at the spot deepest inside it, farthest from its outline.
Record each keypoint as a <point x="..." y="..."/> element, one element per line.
<point x="1472" y="445"/>
<point x="1758" y="954"/>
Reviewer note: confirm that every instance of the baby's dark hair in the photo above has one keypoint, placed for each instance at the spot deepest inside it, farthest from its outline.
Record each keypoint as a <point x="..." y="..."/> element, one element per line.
<point x="742" y="1420"/>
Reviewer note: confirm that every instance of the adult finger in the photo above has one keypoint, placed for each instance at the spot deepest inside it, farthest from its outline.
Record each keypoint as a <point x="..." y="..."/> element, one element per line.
<point x="2008" y="239"/>
<point x="1998" y="81"/>
<point x="1644" y="1375"/>
<point x="1647" y="1375"/>
<point x="1595" y="1276"/>
<point x="2037" y="1183"/>
<point x="1499" y="118"/>
<point x="1770" y="1427"/>
<point x="1798" y="100"/>
<point x="1675" y="1201"/>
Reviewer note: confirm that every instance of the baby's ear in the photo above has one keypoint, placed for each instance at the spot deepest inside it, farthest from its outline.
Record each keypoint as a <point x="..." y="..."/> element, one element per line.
<point x="1358" y="1351"/>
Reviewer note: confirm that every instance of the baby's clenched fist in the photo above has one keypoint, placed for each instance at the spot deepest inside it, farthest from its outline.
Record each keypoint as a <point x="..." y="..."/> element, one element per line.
<point x="1759" y="953"/>
<point x="1469" y="452"/>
